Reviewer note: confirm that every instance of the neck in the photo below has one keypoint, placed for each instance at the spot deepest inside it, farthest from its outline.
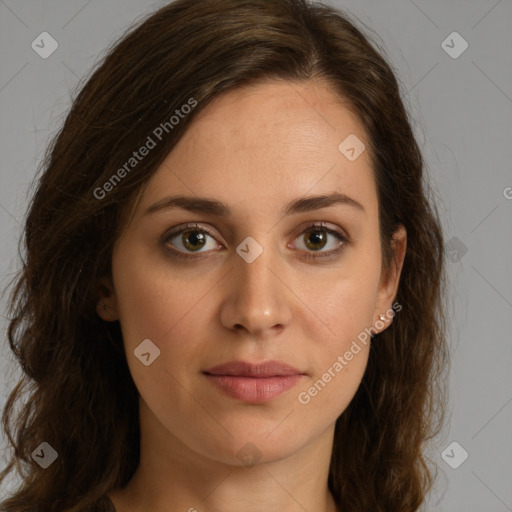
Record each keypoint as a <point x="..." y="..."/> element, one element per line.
<point x="173" y="478"/>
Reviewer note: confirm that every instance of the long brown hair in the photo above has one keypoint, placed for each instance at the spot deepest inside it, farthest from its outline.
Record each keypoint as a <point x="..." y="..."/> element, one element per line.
<point x="80" y="397"/>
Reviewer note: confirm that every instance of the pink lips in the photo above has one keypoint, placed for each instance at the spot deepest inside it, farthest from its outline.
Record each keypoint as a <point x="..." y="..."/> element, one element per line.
<point x="254" y="382"/>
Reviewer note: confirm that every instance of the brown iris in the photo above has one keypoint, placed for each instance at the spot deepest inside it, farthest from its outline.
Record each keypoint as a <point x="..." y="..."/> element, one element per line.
<point x="190" y="241"/>
<point x="317" y="237"/>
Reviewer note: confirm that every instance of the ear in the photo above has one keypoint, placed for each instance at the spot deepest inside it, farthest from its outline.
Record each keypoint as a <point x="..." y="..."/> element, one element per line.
<point x="389" y="281"/>
<point x="107" y="300"/>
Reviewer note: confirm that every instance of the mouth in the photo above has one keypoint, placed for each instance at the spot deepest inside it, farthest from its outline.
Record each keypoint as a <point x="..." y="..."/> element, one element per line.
<point x="250" y="382"/>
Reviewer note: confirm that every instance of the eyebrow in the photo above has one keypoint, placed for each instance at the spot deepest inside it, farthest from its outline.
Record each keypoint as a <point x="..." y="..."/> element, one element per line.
<point x="206" y="205"/>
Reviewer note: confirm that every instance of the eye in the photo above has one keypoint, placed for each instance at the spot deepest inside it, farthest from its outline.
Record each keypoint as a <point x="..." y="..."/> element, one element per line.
<point x="316" y="237"/>
<point x="193" y="238"/>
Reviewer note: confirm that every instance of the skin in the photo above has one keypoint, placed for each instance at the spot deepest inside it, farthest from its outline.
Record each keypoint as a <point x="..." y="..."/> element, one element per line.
<point x="254" y="149"/>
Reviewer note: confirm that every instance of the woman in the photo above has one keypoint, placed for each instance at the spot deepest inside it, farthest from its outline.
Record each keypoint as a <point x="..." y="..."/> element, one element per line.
<point x="294" y="362"/>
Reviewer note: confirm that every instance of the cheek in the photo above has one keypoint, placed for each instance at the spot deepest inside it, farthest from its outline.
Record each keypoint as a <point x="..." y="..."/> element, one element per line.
<point x="347" y="307"/>
<point x="168" y="308"/>
<point x="346" y="301"/>
<point x="341" y="357"/>
<point x="150" y="300"/>
<point x="157" y="308"/>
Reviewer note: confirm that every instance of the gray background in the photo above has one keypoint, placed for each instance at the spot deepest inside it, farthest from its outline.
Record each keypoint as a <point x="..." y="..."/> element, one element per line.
<point x="462" y="115"/>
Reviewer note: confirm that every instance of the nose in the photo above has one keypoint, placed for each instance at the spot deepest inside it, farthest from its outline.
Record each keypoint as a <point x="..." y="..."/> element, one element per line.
<point x="256" y="300"/>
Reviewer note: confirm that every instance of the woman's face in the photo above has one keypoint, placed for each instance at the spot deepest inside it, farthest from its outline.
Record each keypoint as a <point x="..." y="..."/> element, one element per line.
<point x="254" y="281"/>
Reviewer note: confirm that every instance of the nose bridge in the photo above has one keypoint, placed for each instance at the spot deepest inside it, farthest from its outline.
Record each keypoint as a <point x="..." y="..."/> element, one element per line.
<point x="253" y="266"/>
<point x="257" y="299"/>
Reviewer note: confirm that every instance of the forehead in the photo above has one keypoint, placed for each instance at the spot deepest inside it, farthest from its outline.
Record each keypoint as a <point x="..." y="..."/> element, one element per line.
<point x="267" y="144"/>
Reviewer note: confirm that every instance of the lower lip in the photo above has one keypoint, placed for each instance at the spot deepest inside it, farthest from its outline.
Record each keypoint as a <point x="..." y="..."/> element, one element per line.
<point x="254" y="389"/>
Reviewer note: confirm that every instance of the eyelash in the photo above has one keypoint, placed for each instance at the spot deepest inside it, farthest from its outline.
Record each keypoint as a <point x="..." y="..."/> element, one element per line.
<point x="308" y="254"/>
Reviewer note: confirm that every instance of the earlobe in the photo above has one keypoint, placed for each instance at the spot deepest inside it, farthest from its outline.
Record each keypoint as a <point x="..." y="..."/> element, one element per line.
<point x="106" y="307"/>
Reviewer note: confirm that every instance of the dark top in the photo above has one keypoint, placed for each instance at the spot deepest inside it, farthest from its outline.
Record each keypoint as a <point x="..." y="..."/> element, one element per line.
<point x="104" y="505"/>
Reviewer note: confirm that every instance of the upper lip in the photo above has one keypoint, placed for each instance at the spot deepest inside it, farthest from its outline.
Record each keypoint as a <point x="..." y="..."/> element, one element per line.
<point x="246" y="369"/>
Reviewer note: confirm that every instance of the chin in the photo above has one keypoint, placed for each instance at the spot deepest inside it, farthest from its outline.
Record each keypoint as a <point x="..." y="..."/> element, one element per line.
<point x="251" y="447"/>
